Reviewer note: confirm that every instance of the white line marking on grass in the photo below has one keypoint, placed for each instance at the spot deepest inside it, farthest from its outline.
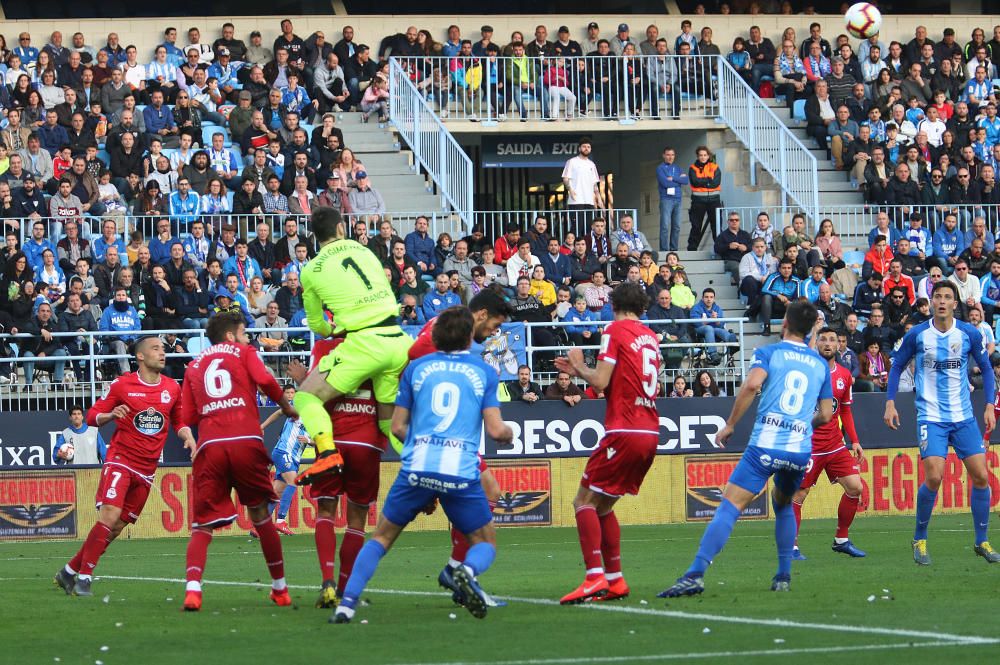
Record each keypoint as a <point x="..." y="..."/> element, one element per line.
<point x="706" y="654"/>
<point x="628" y="609"/>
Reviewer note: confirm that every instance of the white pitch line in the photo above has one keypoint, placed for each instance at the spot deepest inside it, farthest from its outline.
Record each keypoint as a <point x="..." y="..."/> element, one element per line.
<point x="705" y="654"/>
<point x="627" y="609"/>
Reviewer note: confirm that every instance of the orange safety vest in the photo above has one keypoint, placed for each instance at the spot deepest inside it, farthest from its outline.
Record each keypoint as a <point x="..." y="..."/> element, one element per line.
<point x="707" y="171"/>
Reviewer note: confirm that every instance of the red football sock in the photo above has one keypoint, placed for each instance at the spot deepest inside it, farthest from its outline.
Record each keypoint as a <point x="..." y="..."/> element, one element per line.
<point x="611" y="545"/>
<point x="797" y="509"/>
<point x="845" y="514"/>
<point x="270" y="545"/>
<point x="77" y="560"/>
<point x="93" y="548"/>
<point x="326" y="546"/>
<point x="588" y="527"/>
<point x="197" y="553"/>
<point x="352" y="543"/>
<point x="459" y="543"/>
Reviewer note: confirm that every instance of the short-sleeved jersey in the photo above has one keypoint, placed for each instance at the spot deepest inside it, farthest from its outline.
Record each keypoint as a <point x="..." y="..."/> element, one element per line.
<point x="354" y="416"/>
<point x="424" y="343"/>
<point x="220" y="388"/>
<point x="635" y="352"/>
<point x="797" y="378"/>
<point x="347" y="279"/>
<point x="288" y="443"/>
<point x="940" y="370"/>
<point x="828" y="437"/>
<point x="446" y="394"/>
<point x="140" y="436"/>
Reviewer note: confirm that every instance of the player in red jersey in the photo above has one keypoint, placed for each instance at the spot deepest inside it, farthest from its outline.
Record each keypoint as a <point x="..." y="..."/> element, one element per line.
<point x="995" y="362"/>
<point x="627" y="370"/>
<point x="144" y="405"/>
<point x="220" y="388"/>
<point x="359" y="440"/>
<point x="489" y="311"/>
<point x="829" y="453"/>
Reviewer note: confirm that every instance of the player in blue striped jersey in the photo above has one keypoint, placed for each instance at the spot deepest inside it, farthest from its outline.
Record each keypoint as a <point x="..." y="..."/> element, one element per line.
<point x="795" y="397"/>
<point x="286" y="456"/>
<point x="940" y="349"/>
<point x="444" y="400"/>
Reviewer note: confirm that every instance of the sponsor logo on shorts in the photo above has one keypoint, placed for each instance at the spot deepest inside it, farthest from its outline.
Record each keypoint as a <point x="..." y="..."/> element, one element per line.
<point x="37" y="506"/>
<point x="705" y="480"/>
<point x="525" y="493"/>
<point x="149" y="422"/>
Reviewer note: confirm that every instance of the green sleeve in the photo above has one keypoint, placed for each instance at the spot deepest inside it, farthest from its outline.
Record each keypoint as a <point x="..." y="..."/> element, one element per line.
<point x="314" y="313"/>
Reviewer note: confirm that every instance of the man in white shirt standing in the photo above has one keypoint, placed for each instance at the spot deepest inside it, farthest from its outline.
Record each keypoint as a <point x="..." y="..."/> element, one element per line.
<point x="583" y="185"/>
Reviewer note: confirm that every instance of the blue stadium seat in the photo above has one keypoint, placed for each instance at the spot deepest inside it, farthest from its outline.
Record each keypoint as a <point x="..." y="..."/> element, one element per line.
<point x="799" y="110"/>
<point x="104" y="156"/>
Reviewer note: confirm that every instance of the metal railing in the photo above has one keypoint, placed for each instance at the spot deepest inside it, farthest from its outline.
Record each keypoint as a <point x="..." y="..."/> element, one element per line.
<point x="624" y="88"/>
<point x="853" y="223"/>
<point x="733" y="364"/>
<point x="433" y="146"/>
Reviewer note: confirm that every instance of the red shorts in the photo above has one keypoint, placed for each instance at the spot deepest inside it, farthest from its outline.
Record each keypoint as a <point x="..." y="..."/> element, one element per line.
<point x="837" y="465"/>
<point x="123" y="488"/>
<point x="359" y="480"/>
<point x="620" y="463"/>
<point x="482" y="464"/>
<point x="219" y="468"/>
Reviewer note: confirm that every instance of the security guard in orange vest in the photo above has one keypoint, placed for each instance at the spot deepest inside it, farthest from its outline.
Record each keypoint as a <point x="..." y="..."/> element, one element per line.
<point x="706" y="184"/>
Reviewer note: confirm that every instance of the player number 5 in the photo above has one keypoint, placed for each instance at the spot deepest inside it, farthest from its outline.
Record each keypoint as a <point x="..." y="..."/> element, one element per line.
<point x="649" y="372"/>
<point x="218" y="381"/>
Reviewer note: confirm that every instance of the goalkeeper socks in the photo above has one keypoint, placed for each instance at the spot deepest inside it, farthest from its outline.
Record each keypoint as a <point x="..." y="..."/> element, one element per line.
<point x="315" y="419"/>
<point x="846" y="511"/>
<point x="270" y="545"/>
<point x="353" y="541"/>
<point x="611" y="546"/>
<point x="480" y="558"/>
<point x="981" y="512"/>
<point x="364" y="569"/>
<point x="385" y="426"/>
<point x="286" y="501"/>
<point x="715" y="537"/>
<point x="784" y="536"/>
<point x="797" y="509"/>
<point x="93" y="548"/>
<point x="326" y="546"/>
<point x="197" y="555"/>
<point x="925" y="505"/>
<point x="588" y="527"/>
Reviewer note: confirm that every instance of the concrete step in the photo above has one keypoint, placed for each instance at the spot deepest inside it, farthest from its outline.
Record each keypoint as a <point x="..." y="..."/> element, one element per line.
<point x="841" y="198"/>
<point x="831" y="184"/>
<point x="376" y="160"/>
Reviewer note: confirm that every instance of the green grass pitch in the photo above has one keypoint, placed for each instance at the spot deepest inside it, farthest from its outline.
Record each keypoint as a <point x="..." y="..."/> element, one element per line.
<point x="882" y="609"/>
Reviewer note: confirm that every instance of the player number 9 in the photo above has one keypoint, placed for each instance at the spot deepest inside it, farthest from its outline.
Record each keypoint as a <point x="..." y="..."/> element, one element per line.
<point x="444" y="404"/>
<point x="794" y="395"/>
<point x="218" y="381"/>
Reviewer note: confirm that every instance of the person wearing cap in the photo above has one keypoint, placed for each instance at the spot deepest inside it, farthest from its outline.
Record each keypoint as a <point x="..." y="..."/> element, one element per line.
<point x="565" y="47"/>
<point x="479" y="48"/>
<point x="947" y="48"/>
<point x="256" y="53"/>
<point x="365" y="199"/>
<point x="334" y="196"/>
<point x="620" y="39"/>
<point x="240" y="117"/>
<point x="589" y="45"/>
<point x="330" y="86"/>
<point x="225" y="70"/>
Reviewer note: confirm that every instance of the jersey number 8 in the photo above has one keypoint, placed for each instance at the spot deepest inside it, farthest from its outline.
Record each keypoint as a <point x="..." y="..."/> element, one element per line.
<point x="796" y="385"/>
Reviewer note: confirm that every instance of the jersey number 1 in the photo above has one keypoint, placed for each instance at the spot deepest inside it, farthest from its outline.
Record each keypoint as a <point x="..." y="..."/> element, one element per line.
<point x="349" y="264"/>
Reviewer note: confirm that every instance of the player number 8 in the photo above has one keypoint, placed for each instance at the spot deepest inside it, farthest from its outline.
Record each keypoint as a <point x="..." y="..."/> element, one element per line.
<point x="794" y="395"/>
<point x="218" y="381"/>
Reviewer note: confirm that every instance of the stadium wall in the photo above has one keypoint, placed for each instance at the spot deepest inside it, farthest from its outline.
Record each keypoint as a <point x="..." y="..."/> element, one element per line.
<point x="146" y="33"/>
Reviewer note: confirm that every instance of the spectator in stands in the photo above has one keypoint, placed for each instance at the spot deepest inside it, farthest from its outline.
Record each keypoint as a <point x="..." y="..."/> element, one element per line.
<point x="732" y="244"/>
<point x="912" y="265"/>
<point x="365" y="199"/>
<point x="289" y="297"/>
<point x="790" y="74"/>
<point x="990" y="290"/>
<point x="705" y="385"/>
<point x="874" y="369"/>
<point x="211" y="279"/>
<point x="120" y="317"/>
<point x="762" y="56"/>
<point x="522" y="263"/>
<point x="680" y="388"/>
<point x="817" y="64"/>
<point x="902" y="191"/>
<point x="778" y="290"/>
<point x="877" y="258"/>
<point x="754" y="269"/>
<point x="834" y="311"/>
<point x="711" y="330"/>
<point x="190" y="302"/>
<point x="969" y="288"/>
<point x="359" y="69"/>
<point x="978" y="231"/>
<point x="976" y="258"/>
<point x="949" y="242"/>
<point x="42" y="346"/>
<point x="809" y="287"/>
<point x="565" y="390"/>
<point x="815" y="37"/>
<point x="846" y="356"/>
<point x="819" y="113"/>
<point x="895" y="278"/>
<point x="72" y="248"/>
<point x="441" y="298"/>
<point x="159" y="121"/>
<point x="878" y="171"/>
<point x="705" y="178"/>
<point x="420" y="246"/>
<point x="524" y="389"/>
<point x="841" y="134"/>
<point x="897" y="311"/>
<point x="839" y="82"/>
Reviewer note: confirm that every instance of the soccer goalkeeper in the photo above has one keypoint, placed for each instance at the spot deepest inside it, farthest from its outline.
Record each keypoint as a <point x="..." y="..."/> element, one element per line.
<point x="347" y="280"/>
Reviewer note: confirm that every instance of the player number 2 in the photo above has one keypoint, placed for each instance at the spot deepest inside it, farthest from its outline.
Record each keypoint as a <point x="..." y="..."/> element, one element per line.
<point x="349" y="264"/>
<point x="649" y="372"/>
<point x="218" y="381"/>
<point x="794" y="395"/>
<point x="444" y="404"/>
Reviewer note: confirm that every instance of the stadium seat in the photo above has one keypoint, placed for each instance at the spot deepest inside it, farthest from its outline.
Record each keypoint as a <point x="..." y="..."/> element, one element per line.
<point x="196" y="345"/>
<point x="799" y="110"/>
<point x="104" y="156"/>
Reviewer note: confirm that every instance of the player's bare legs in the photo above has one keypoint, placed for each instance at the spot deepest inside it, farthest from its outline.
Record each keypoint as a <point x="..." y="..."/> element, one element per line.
<point x="108" y="526"/>
<point x="310" y="402"/>
<point x="846" y="512"/>
<point x="600" y="542"/>
<point x="459" y="543"/>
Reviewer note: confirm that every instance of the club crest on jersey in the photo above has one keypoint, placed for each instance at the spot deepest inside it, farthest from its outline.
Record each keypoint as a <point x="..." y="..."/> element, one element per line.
<point x="165" y="397"/>
<point x="611" y="452"/>
<point x="955" y="347"/>
<point x="840" y="384"/>
<point x="149" y="422"/>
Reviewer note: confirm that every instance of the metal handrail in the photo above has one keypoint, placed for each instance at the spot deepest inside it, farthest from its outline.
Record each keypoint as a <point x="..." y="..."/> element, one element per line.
<point x="432" y="144"/>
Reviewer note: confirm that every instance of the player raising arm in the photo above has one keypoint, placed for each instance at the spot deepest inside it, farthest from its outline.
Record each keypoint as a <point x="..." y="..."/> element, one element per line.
<point x="941" y="348"/>
<point x="829" y="453"/>
<point x="143" y="405"/>
<point x="444" y="400"/>
<point x="347" y="279"/>
<point x="792" y="379"/>
<point x="220" y="388"/>
<point x="286" y="457"/>
<point x="627" y="370"/>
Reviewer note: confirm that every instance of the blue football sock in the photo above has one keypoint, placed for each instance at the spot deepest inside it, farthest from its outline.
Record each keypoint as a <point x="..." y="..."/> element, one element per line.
<point x="715" y="537"/>
<point x="784" y="536"/>
<point x="925" y="505"/>
<point x="480" y="557"/>
<point x="981" y="512"/>
<point x="271" y="505"/>
<point x="286" y="501"/>
<point x="364" y="568"/>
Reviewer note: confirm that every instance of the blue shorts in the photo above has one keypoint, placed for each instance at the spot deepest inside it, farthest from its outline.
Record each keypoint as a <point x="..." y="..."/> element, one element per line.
<point x="284" y="461"/>
<point x="759" y="464"/>
<point x="964" y="437"/>
<point x="463" y="500"/>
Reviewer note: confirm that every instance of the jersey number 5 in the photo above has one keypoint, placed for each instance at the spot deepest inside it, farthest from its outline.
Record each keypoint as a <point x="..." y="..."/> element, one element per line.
<point x="649" y="371"/>
<point x="218" y="381"/>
